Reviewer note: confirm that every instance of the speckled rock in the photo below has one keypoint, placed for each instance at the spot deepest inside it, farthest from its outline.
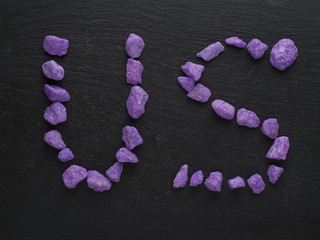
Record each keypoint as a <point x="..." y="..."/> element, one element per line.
<point x="97" y="182"/>
<point x="256" y="48"/>
<point x="131" y="137"/>
<point x="283" y="54"/>
<point x="223" y="109"/>
<point x="55" y="45"/>
<point x="193" y="70"/>
<point x="187" y="83"/>
<point x="136" y="102"/>
<point x="196" y="179"/>
<point x="247" y="118"/>
<point x="134" y="45"/>
<point x="73" y="175"/>
<point x="54" y="139"/>
<point x="56" y="93"/>
<point x="214" y="181"/>
<point x="53" y="70"/>
<point x="55" y="113"/>
<point x="200" y="93"/>
<point x="65" y="155"/>
<point x="211" y="52"/>
<point x="124" y="155"/>
<point x="270" y="128"/>
<point x="279" y="148"/>
<point x="134" y="71"/>
<point x="236" y="182"/>
<point x="181" y="177"/>
<point x="274" y="173"/>
<point x="256" y="183"/>
<point x="114" y="172"/>
<point x="235" y="41"/>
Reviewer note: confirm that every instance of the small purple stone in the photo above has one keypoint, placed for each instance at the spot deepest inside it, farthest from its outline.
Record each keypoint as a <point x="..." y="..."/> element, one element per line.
<point x="236" y="182"/>
<point x="223" y="109"/>
<point x="196" y="179"/>
<point x="214" y="181"/>
<point x="73" y="175"/>
<point x="114" y="172"/>
<point x="200" y="93"/>
<point x="55" y="113"/>
<point x="211" y="51"/>
<point x="256" y="183"/>
<point x="54" y="139"/>
<point x="187" y="83"/>
<point x="181" y="177"/>
<point x="98" y="182"/>
<point x="235" y="41"/>
<point x="65" y="155"/>
<point x="279" y="149"/>
<point x="53" y="70"/>
<point x="56" y="93"/>
<point x="256" y="48"/>
<point x="274" y="173"/>
<point x="283" y="54"/>
<point x="270" y="128"/>
<point x="247" y="118"/>
<point x="136" y="102"/>
<point x="55" y="45"/>
<point x="124" y="155"/>
<point x="134" y="71"/>
<point x="131" y="137"/>
<point x="193" y="70"/>
<point x="134" y="45"/>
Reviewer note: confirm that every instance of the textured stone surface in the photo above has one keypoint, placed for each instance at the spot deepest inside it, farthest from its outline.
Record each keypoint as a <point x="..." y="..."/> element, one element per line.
<point x="274" y="173"/>
<point x="55" y="45"/>
<point x="187" y="83"/>
<point x="279" y="148"/>
<point x="73" y="175"/>
<point x="55" y="113"/>
<point x="283" y="54"/>
<point x="136" y="102"/>
<point x="54" y="139"/>
<point x="131" y="137"/>
<point x="236" y="182"/>
<point x="65" y="155"/>
<point x="56" y="93"/>
<point x="181" y="177"/>
<point x="97" y="182"/>
<point x="114" y="172"/>
<point x="247" y="118"/>
<point x="256" y="183"/>
<point x="223" y="109"/>
<point x="235" y="41"/>
<point x="193" y="70"/>
<point x="134" y="45"/>
<point x="124" y="155"/>
<point x="200" y="93"/>
<point x="134" y="71"/>
<point x="256" y="48"/>
<point x="196" y="178"/>
<point x="211" y="51"/>
<point x="270" y="128"/>
<point x="214" y="181"/>
<point x="53" y="70"/>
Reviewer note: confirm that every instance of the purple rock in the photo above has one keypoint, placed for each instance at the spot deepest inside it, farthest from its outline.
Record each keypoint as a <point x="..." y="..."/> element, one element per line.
<point x="187" y="83"/>
<point x="270" y="128"/>
<point x="256" y="48"/>
<point x="136" y="102"/>
<point x="256" y="183"/>
<point x="65" y="155"/>
<point x="279" y="149"/>
<point x="193" y="70"/>
<point x="124" y="155"/>
<point x="196" y="179"/>
<point x="73" y="175"/>
<point x="181" y="177"/>
<point x="247" y="118"/>
<point x="200" y="93"/>
<point x="223" y="109"/>
<point x="98" y="182"/>
<point x="235" y="41"/>
<point x="236" y="182"/>
<point x="283" y="54"/>
<point x="134" y="71"/>
<point x="134" y="45"/>
<point x="53" y="70"/>
<point x="114" y="172"/>
<point x="55" y="113"/>
<point x="131" y="137"/>
<point x="55" y="46"/>
<point x="274" y="173"/>
<point x="214" y="181"/>
<point x="54" y="139"/>
<point x="211" y="51"/>
<point x="56" y="93"/>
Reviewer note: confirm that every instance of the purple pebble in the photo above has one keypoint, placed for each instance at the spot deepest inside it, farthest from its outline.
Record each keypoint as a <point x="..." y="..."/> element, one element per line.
<point x="256" y="183"/>
<point x="196" y="179"/>
<point x="193" y="70"/>
<point x="54" y="139"/>
<point x="55" y="45"/>
<point x="223" y="109"/>
<point x="211" y="51"/>
<point x="200" y="93"/>
<point x="283" y="54"/>
<point x="279" y="149"/>
<point x="256" y="48"/>
<point x="181" y="177"/>
<point x="56" y="93"/>
<point x="55" y="113"/>
<point x="187" y="83"/>
<point x="65" y="155"/>
<point x="236" y="182"/>
<point x="73" y="175"/>
<point x="124" y="155"/>
<point x="235" y="41"/>
<point x="247" y="118"/>
<point x="134" y="71"/>
<point x="270" y="128"/>
<point x="114" y="172"/>
<point x="214" y="181"/>
<point x="136" y="102"/>
<point x="131" y="137"/>
<point x="97" y="182"/>
<point x="134" y="45"/>
<point x="53" y="70"/>
<point x="274" y="173"/>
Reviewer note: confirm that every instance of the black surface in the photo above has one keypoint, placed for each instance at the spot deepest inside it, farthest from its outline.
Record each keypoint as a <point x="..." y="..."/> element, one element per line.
<point x="34" y="202"/>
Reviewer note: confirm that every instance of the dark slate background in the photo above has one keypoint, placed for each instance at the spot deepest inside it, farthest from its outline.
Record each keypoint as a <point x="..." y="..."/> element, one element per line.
<point x="34" y="202"/>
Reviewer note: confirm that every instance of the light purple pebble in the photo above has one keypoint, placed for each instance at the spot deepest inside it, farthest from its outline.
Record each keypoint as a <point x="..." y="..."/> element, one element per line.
<point x="247" y="118"/>
<point x="114" y="172"/>
<point x="55" y="45"/>
<point x="196" y="179"/>
<point x="55" y="113"/>
<point x="134" y="45"/>
<point x="97" y="182"/>
<point x="214" y="181"/>
<point x="131" y="137"/>
<point x="124" y="155"/>
<point x="256" y="48"/>
<point x="200" y="93"/>
<point x="134" y="71"/>
<point x="54" y="139"/>
<point x="73" y="175"/>
<point x="236" y="182"/>
<point x="256" y="183"/>
<point x="270" y="128"/>
<point x="136" y="102"/>
<point x="279" y="149"/>
<point x="235" y="41"/>
<point x="283" y="54"/>
<point x="65" y="155"/>
<point x="53" y="70"/>
<point x="181" y="177"/>
<point x="56" y="93"/>
<point x="223" y="109"/>
<point x="211" y="51"/>
<point x="187" y="83"/>
<point x="274" y="173"/>
<point x="193" y="70"/>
